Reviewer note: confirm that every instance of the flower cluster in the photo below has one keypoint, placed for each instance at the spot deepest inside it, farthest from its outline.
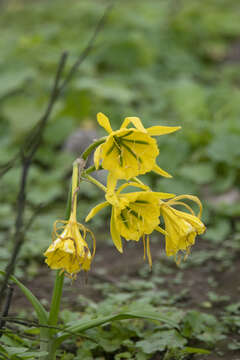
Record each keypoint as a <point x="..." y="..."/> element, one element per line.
<point x="127" y="153"/>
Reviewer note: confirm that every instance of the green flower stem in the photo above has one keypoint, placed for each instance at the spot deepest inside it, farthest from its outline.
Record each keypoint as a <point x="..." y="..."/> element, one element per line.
<point x="57" y="293"/>
<point x="96" y="182"/>
<point x="56" y="299"/>
<point x="54" y="312"/>
<point x="92" y="147"/>
<point x="91" y="169"/>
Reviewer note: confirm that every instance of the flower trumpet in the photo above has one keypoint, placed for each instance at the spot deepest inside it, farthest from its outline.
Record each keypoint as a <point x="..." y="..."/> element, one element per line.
<point x="128" y="152"/>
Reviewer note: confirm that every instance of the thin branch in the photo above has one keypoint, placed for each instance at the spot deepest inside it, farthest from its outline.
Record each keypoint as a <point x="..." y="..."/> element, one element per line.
<point x="6" y="307"/>
<point x="89" y="46"/>
<point x="59" y="89"/>
<point x="28" y="323"/>
<point x="27" y="159"/>
<point x="33" y="142"/>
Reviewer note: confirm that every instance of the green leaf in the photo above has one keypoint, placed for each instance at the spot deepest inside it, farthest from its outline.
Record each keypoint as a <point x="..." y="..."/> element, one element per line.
<point x="225" y="148"/>
<point x="162" y="340"/>
<point x="218" y="232"/>
<point x="202" y="173"/>
<point x="81" y="326"/>
<point x="193" y="350"/>
<point x="39" y="309"/>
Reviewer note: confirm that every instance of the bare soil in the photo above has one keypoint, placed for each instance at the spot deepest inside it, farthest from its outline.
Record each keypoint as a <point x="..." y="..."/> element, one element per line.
<point x="109" y="266"/>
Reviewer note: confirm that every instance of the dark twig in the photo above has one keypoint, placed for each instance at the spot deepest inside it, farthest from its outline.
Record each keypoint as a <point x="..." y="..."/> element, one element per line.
<point x="33" y="142"/>
<point x="27" y="155"/>
<point x="58" y="90"/>
<point x="34" y="216"/>
<point x="28" y="323"/>
<point x="89" y="46"/>
<point x="6" y="307"/>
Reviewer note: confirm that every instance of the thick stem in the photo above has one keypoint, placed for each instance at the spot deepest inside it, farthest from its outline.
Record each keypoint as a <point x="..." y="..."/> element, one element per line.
<point x="56" y="299"/>
<point x="92" y="147"/>
<point x="96" y="182"/>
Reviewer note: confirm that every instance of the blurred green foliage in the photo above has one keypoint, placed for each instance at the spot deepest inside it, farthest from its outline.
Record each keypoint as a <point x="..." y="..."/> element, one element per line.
<point x="168" y="62"/>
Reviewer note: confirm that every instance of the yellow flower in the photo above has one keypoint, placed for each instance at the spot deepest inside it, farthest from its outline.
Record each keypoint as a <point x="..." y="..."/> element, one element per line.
<point x="134" y="215"/>
<point x="129" y="152"/>
<point x="181" y="227"/>
<point x="69" y="250"/>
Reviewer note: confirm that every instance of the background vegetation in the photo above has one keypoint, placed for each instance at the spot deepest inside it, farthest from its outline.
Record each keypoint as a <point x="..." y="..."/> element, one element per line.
<point x="168" y="62"/>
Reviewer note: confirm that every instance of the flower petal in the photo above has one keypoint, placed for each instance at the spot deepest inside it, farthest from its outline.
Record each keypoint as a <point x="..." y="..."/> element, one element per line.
<point x="192" y="198"/>
<point x="132" y="183"/>
<point x="162" y="130"/>
<point x="97" y="156"/>
<point x="163" y="195"/>
<point x="160" y="171"/>
<point x="162" y="231"/>
<point x="111" y="182"/>
<point x="135" y="121"/>
<point x="95" y="210"/>
<point x="104" y="122"/>
<point x="115" y="234"/>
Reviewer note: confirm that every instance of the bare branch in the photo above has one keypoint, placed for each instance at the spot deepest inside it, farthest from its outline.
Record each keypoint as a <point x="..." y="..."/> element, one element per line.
<point x="89" y="46"/>
<point x="27" y="159"/>
<point x="6" y="307"/>
<point x="33" y="141"/>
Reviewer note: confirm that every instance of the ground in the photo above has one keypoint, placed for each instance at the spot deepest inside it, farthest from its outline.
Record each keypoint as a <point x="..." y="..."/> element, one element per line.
<point x="188" y="286"/>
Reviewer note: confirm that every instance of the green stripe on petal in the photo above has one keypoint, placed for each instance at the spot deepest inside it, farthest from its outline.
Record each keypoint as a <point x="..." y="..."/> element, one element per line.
<point x="134" y="213"/>
<point x="130" y="150"/>
<point x="110" y="149"/>
<point x="136" y="141"/>
<point x="141" y="202"/>
<point x="124" y="220"/>
<point x="125" y="135"/>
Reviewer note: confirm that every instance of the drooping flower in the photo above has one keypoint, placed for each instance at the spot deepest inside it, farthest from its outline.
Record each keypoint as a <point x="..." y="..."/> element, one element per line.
<point x="69" y="250"/>
<point x="128" y="152"/>
<point x="181" y="227"/>
<point x="134" y="215"/>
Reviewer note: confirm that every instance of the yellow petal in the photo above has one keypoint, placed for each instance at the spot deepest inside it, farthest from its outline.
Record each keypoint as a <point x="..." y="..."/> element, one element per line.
<point x="162" y="130"/>
<point x="161" y="172"/>
<point x="97" y="156"/>
<point x="163" y="195"/>
<point x="162" y="231"/>
<point x="115" y="234"/>
<point x="111" y="182"/>
<point x="193" y="220"/>
<point x="131" y="183"/>
<point x="95" y="210"/>
<point x="135" y="121"/>
<point x="104" y="122"/>
<point x="192" y="198"/>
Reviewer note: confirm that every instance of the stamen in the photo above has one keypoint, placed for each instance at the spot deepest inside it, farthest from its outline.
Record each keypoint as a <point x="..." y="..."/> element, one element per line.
<point x="124" y="220"/>
<point x="144" y="248"/>
<point x="149" y="253"/>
